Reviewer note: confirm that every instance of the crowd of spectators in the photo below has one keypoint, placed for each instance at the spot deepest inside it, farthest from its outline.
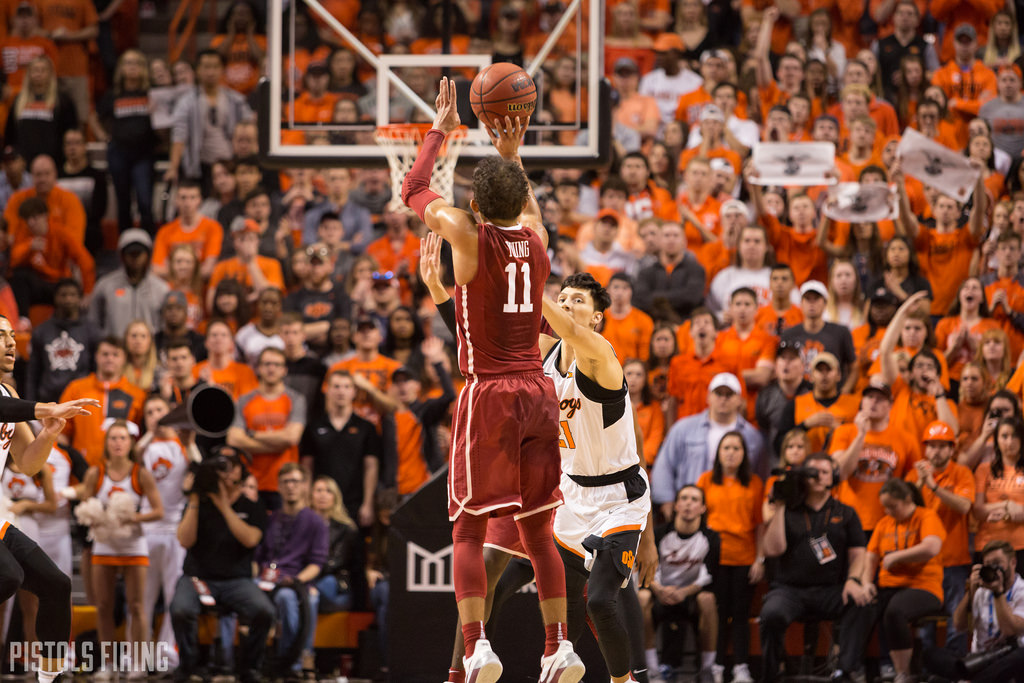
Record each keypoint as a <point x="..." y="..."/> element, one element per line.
<point x="754" y="331"/>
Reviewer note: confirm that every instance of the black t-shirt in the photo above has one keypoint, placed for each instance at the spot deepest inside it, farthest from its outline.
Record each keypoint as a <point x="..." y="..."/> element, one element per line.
<point x="319" y="306"/>
<point x="217" y="554"/>
<point x="126" y="118"/>
<point x="339" y="453"/>
<point x="799" y="566"/>
<point x="833" y="338"/>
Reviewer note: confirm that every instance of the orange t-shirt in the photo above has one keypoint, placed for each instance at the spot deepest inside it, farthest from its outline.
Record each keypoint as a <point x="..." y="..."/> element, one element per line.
<point x="734" y="511"/>
<point x="946" y="261"/>
<point x="388" y="258"/>
<point x="771" y="322"/>
<point x="66" y="213"/>
<point x="237" y="378"/>
<point x="56" y="258"/>
<point x="885" y="454"/>
<point x="738" y="354"/>
<point x="715" y="257"/>
<point x="1009" y="487"/>
<point x="688" y="379"/>
<point x="709" y="214"/>
<point x="691" y="104"/>
<point x="72" y="16"/>
<point x="959" y="481"/>
<point x="119" y="400"/>
<point x="242" y="71"/>
<point x="16" y="53"/>
<point x="890" y="536"/>
<point x="949" y="327"/>
<point x="1015" y="298"/>
<point x="966" y="90"/>
<point x="651" y="420"/>
<point x="876" y="365"/>
<point x="630" y="336"/>
<point x="412" y="468"/>
<point x="234" y="269"/>
<point x="378" y="371"/>
<point x="262" y="414"/>
<point x="652" y="201"/>
<point x="1016" y="383"/>
<point x="844" y="409"/>
<point x="206" y="239"/>
<point x="799" y="249"/>
<point x="914" y="410"/>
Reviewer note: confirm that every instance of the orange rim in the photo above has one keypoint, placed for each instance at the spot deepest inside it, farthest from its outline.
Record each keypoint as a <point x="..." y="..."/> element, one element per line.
<point x="400" y="132"/>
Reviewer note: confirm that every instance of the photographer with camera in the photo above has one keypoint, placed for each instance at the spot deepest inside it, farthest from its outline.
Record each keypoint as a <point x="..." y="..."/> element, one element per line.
<point x="994" y="606"/>
<point x="220" y="529"/>
<point x="820" y="545"/>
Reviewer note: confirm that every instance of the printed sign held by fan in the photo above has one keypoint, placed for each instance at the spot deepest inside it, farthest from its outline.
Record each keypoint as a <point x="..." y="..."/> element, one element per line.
<point x="501" y="90"/>
<point x="793" y="163"/>
<point x="933" y="164"/>
<point x="857" y="203"/>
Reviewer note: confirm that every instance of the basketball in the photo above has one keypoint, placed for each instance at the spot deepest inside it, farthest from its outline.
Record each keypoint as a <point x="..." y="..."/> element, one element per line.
<point x="501" y="90"/>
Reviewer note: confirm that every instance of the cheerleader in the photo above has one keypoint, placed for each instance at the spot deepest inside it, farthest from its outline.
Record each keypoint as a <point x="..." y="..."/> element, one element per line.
<point x="124" y="549"/>
<point x="161" y="453"/>
<point x="27" y="499"/>
<point x="65" y="464"/>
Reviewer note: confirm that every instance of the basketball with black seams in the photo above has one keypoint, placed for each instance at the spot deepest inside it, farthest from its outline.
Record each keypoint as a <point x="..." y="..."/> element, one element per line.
<point x="501" y="90"/>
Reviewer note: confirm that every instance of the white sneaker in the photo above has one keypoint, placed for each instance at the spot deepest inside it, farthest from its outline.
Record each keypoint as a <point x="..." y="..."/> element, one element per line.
<point x="484" y="666"/>
<point x="717" y="673"/>
<point x="565" y="666"/>
<point x="741" y="674"/>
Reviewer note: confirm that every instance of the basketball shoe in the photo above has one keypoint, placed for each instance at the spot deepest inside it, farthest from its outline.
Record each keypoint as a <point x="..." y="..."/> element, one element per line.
<point x="483" y="666"/>
<point x="565" y="666"/>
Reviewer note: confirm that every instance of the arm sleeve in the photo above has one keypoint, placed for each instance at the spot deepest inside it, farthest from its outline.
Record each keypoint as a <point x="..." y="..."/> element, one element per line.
<point x="16" y="409"/>
<point x="416" y="192"/>
<point x="447" y="313"/>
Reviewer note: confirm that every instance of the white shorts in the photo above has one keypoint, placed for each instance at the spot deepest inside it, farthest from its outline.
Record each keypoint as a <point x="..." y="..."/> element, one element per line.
<point x="599" y="511"/>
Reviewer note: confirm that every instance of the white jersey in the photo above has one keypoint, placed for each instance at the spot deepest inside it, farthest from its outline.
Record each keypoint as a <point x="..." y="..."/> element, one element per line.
<point x="135" y="545"/>
<point x="167" y="461"/>
<point x="6" y="436"/>
<point x="596" y="433"/>
<point x="15" y="487"/>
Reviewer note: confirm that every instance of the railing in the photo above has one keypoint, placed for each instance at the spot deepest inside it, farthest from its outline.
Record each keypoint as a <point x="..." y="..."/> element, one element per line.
<point x="181" y="32"/>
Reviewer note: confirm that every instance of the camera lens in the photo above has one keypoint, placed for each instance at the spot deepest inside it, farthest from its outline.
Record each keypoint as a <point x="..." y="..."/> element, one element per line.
<point x="989" y="573"/>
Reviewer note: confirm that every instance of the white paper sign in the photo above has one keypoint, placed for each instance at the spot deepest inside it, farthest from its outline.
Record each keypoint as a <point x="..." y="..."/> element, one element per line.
<point x="793" y="163"/>
<point x="937" y="165"/>
<point x="161" y="104"/>
<point x="856" y="203"/>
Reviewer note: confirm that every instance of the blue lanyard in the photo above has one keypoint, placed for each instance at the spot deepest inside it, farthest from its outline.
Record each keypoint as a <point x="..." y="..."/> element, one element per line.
<point x="992" y="611"/>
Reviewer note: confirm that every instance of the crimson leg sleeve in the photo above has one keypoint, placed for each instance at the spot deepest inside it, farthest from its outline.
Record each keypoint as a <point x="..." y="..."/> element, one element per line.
<point x="535" y="532"/>
<point x="468" y="556"/>
<point x="416" y="192"/>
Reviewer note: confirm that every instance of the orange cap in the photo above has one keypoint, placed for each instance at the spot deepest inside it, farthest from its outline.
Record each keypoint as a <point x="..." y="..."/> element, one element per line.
<point x="939" y="431"/>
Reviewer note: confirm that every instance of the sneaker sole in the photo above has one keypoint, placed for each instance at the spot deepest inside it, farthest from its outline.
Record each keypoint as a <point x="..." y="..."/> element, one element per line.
<point x="572" y="672"/>
<point x="488" y="673"/>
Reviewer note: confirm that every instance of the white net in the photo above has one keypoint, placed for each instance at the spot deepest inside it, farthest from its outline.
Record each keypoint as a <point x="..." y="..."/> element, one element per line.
<point x="401" y="144"/>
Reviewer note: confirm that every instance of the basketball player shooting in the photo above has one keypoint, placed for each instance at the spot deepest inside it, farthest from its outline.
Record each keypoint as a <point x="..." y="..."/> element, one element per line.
<point x="607" y="495"/>
<point x="23" y="564"/>
<point x="504" y="457"/>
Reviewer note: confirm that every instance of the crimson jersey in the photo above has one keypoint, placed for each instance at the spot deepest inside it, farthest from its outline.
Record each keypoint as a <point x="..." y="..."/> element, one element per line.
<point x="499" y="311"/>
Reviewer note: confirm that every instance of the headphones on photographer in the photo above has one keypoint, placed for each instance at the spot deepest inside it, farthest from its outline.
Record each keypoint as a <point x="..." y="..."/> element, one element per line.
<point x="235" y="455"/>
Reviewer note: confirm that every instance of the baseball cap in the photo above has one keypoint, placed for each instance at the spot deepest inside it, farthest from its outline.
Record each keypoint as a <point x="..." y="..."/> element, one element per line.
<point x="611" y="214"/>
<point x="711" y="112"/>
<point x="884" y="296"/>
<point x="734" y="206"/>
<point x="241" y="224"/>
<point x="789" y="346"/>
<point x="365" y="321"/>
<point x="965" y="30"/>
<point x="669" y="41"/>
<point x="882" y="389"/>
<point x="939" y="431"/>
<point x="402" y="371"/>
<point x="826" y="358"/>
<point x="175" y="298"/>
<point x="626" y="64"/>
<point x="9" y="154"/>
<point x="815" y="286"/>
<point x="727" y="380"/>
<point x="317" y="69"/>
<point x="134" y="236"/>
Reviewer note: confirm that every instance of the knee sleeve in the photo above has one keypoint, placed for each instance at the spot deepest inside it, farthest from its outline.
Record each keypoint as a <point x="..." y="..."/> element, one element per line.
<point x="603" y="590"/>
<point x="535" y="532"/>
<point x="468" y="540"/>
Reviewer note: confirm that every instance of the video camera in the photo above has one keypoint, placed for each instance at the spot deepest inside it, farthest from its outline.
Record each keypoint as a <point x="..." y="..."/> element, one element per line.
<point x="209" y="411"/>
<point x="791" y="486"/>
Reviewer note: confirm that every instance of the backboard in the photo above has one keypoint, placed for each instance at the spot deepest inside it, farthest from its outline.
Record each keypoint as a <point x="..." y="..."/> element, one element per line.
<point x="571" y="127"/>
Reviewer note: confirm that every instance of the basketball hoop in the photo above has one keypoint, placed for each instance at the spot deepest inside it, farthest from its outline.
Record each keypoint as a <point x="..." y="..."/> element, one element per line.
<point x="401" y="143"/>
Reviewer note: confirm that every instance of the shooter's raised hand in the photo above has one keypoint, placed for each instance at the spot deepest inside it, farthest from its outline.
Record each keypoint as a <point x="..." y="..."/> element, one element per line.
<point x="447" y="118"/>
<point x="508" y="136"/>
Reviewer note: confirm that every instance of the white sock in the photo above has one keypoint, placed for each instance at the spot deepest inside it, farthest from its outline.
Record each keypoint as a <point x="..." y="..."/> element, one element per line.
<point x="707" y="659"/>
<point x="652" y="658"/>
<point x="47" y="676"/>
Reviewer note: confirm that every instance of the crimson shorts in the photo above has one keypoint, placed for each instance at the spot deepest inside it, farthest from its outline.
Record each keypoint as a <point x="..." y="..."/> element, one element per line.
<point x="503" y="535"/>
<point x="505" y="456"/>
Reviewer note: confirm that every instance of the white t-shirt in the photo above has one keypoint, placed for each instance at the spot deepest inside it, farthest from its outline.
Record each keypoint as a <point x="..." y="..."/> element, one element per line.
<point x="668" y="89"/>
<point x="986" y="630"/>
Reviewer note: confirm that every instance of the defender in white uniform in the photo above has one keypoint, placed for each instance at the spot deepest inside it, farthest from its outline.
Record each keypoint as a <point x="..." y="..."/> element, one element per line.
<point x="606" y="492"/>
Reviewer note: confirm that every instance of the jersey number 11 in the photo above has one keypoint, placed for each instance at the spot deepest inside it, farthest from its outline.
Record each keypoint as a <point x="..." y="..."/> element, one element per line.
<point x="511" y="306"/>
